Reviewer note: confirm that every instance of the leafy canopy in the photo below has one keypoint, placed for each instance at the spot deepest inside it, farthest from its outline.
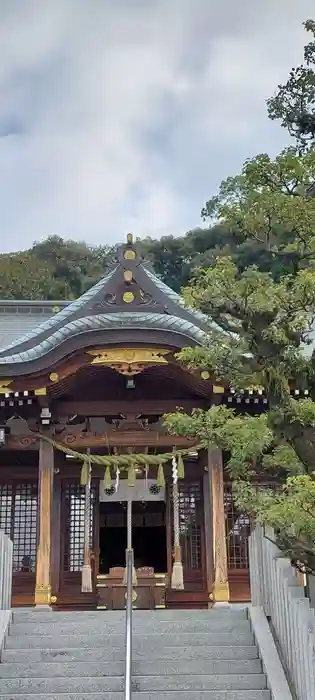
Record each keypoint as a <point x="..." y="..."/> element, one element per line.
<point x="264" y="333"/>
<point x="294" y="102"/>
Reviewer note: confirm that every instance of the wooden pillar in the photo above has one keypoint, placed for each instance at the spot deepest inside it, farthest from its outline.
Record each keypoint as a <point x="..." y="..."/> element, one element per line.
<point x="221" y="593"/>
<point x="45" y="484"/>
<point x="207" y="497"/>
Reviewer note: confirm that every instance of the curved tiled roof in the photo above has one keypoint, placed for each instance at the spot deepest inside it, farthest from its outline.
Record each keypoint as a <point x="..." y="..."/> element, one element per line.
<point x="103" y="307"/>
<point x="62" y="316"/>
<point x="115" y="321"/>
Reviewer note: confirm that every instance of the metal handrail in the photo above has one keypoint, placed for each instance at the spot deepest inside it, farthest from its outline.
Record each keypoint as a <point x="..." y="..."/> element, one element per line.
<point x="128" y="630"/>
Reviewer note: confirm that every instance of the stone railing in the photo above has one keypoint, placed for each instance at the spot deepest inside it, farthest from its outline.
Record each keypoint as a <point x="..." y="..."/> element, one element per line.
<point x="5" y="571"/>
<point x="276" y="588"/>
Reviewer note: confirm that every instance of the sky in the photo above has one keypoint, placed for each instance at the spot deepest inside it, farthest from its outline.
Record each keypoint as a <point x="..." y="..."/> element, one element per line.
<point x="125" y="115"/>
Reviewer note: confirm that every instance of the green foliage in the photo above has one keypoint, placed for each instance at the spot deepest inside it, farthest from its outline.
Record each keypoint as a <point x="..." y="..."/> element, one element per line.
<point x="24" y="277"/>
<point x="245" y="438"/>
<point x="75" y="266"/>
<point x="52" y="269"/>
<point x="261" y="320"/>
<point x="290" y="511"/>
<point x="294" y="102"/>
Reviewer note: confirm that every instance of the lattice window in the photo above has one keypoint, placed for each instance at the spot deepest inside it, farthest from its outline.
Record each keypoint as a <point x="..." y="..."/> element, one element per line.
<point x="75" y="506"/>
<point x="6" y="496"/>
<point x="18" y="518"/>
<point x="190" y="502"/>
<point x="237" y="532"/>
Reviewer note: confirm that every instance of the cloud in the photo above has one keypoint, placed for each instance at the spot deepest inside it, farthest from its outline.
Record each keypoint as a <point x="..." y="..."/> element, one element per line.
<point x="126" y="115"/>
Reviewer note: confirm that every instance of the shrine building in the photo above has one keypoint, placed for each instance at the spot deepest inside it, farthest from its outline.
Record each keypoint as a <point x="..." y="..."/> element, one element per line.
<point x="90" y="379"/>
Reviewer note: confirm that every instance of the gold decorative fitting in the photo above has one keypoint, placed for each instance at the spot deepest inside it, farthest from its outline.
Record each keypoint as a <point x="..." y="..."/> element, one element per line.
<point x="128" y="297"/>
<point x="130" y="238"/>
<point x="55" y="309"/>
<point x="129" y="361"/>
<point x="4" y="384"/>
<point x="43" y="594"/>
<point x="218" y="389"/>
<point x="222" y="592"/>
<point x="40" y="392"/>
<point x="54" y="377"/>
<point x="53" y="599"/>
<point x="129" y="254"/>
<point x="205" y="374"/>
<point x="128" y="276"/>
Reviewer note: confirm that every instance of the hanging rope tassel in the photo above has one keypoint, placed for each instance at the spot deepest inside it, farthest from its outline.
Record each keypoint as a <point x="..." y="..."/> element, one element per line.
<point x="181" y="467"/>
<point x="107" y="479"/>
<point x="160" y="477"/>
<point x="86" y="579"/>
<point x="84" y="478"/>
<point x="146" y="474"/>
<point x="177" y="573"/>
<point x="117" y="479"/>
<point x="131" y="481"/>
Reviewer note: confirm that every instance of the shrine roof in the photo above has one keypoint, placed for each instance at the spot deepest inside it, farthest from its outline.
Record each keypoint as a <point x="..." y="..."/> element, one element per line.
<point x="129" y="298"/>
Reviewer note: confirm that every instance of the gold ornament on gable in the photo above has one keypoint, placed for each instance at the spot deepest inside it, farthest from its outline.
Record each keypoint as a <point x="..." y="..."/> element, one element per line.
<point x="129" y="361"/>
<point x="4" y="385"/>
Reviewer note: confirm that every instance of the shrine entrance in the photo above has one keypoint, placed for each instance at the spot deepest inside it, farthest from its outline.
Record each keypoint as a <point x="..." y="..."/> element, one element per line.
<point x="148" y="536"/>
<point x="149" y="542"/>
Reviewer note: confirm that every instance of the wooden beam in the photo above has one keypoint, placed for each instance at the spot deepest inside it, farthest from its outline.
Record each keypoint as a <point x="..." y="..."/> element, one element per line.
<point x="113" y="408"/>
<point x="136" y="439"/>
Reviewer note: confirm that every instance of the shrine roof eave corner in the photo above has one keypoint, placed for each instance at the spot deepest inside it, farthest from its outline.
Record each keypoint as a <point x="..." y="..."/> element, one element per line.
<point x="102" y="330"/>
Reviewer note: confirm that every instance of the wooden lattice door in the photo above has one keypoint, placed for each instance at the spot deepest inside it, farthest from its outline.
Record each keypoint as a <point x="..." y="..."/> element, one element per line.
<point x="191" y="525"/>
<point x="237" y="532"/>
<point x="72" y="532"/>
<point x="19" y="520"/>
<point x="237" y="526"/>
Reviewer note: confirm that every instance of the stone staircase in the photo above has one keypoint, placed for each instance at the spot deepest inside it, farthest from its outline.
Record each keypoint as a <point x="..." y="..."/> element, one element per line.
<point x="177" y="655"/>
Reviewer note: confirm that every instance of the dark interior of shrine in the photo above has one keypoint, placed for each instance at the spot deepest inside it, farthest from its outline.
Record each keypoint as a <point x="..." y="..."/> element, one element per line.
<point x="148" y="535"/>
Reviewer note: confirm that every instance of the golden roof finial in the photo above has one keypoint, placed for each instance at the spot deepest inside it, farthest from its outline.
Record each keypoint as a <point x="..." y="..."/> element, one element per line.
<point x="130" y="238"/>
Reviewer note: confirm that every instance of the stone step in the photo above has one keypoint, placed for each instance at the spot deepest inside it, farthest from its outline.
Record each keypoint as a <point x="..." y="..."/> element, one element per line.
<point x="140" y="641"/>
<point x="56" y="685"/>
<point x="35" y="615"/>
<point x="171" y="695"/>
<point x="106" y="627"/>
<point x="139" y="668"/>
<point x="167" y="653"/>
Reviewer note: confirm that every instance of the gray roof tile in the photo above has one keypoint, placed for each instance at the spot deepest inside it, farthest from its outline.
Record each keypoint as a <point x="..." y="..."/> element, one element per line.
<point x="107" y="321"/>
<point x="14" y="325"/>
<point x="55" y="319"/>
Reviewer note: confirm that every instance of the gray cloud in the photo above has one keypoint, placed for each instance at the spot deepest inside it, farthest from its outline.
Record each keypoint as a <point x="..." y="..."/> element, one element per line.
<point x="126" y="115"/>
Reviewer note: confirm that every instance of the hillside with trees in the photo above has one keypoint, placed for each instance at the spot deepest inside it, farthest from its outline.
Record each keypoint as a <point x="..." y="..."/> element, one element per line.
<point x="64" y="269"/>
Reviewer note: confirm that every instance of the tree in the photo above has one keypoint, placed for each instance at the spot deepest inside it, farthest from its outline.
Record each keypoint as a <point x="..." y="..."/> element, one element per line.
<point x="294" y="102"/>
<point x="263" y="337"/>
<point x="53" y="269"/>
<point x="24" y="277"/>
<point x="74" y="263"/>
